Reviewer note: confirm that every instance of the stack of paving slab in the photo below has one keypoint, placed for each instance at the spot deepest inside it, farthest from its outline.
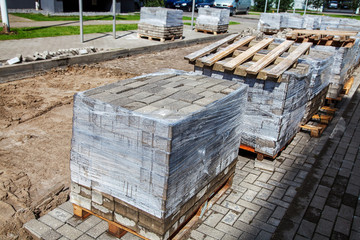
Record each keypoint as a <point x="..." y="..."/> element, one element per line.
<point x="212" y="19"/>
<point x="160" y="23"/>
<point x="147" y="151"/>
<point x="320" y="67"/>
<point x="274" y="22"/>
<point x="277" y="108"/>
<point x="345" y="60"/>
<point x="331" y="23"/>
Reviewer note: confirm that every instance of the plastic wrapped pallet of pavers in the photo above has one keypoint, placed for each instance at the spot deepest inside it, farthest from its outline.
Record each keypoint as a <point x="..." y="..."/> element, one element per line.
<point x="345" y="60"/>
<point x="320" y="64"/>
<point x="274" y="109"/>
<point x="145" y="151"/>
<point x="275" y="22"/>
<point x="160" y="22"/>
<point x="213" y="19"/>
<point x="331" y="23"/>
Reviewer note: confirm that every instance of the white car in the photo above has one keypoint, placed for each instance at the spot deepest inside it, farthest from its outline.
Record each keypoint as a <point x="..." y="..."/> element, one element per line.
<point x="333" y="4"/>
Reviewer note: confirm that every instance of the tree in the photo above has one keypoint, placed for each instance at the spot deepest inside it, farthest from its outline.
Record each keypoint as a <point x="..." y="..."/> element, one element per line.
<point x="285" y="5"/>
<point x="316" y="3"/>
<point x="259" y="5"/>
<point x="355" y="4"/>
<point x="154" y="3"/>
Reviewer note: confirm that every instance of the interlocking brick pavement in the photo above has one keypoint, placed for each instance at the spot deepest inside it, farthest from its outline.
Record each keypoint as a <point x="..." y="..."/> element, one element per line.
<point x="312" y="193"/>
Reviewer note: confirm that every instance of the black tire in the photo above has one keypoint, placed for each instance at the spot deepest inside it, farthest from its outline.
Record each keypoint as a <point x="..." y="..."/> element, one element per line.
<point x="189" y="8"/>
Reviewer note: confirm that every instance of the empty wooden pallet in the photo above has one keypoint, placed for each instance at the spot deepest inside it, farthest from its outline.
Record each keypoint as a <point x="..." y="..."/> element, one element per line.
<point x="319" y="121"/>
<point x="323" y="37"/>
<point x="245" y="56"/>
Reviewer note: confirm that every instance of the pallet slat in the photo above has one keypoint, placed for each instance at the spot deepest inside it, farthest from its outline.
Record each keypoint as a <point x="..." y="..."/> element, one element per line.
<point x="324" y="32"/>
<point x="289" y="60"/>
<point x="202" y="52"/>
<point x="270" y="57"/>
<point x="248" y="54"/>
<point x="228" y="50"/>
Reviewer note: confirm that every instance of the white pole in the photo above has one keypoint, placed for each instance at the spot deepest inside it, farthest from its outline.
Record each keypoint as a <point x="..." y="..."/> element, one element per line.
<point x="81" y="21"/>
<point x="265" y="6"/>
<point x="278" y="6"/>
<point x="4" y="16"/>
<point x="192" y="14"/>
<point x="294" y="7"/>
<point x="305" y="7"/>
<point x="114" y="18"/>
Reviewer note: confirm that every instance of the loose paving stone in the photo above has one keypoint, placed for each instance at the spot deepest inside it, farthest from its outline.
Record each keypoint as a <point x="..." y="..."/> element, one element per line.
<point x="306" y="229"/>
<point x="342" y="226"/>
<point x="51" y="221"/>
<point x="98" y="229"/>
<point x="69" y="232"/>
<point x="213" y="219"/>
<point x="60" y="214"/>
<point x="36" y="228"/>
<point x="230" y="218"/>
<point x="89" y="223"/>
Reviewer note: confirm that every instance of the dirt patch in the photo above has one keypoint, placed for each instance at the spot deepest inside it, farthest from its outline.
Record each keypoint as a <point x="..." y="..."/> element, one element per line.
<point x="35" y="132"/>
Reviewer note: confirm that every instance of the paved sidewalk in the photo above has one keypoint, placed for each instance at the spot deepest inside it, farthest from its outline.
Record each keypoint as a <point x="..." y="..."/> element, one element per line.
<point x="313" y="193"/>
<point x="124" y="40"/>
<point x="328" y="205"/>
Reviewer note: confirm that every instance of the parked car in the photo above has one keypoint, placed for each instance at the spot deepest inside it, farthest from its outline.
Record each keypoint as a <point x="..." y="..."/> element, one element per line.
<point x="170" y="3"/>
<point x="204" y="3"/>
<point x="185" y="5"/>
<point x="235" y="6"/>
<point x="346" y="4"/>
<point x="333" y="4"/>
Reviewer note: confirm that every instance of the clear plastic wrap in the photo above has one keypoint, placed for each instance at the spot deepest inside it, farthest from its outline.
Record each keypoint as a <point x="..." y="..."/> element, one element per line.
<point x="213" y="16"/>
<point x="279" y="21"/>
<point x="274" y="109"/>
<point x="156" y="140"/>
<point x="161" y="16"/>
<point x="345" y="59"/>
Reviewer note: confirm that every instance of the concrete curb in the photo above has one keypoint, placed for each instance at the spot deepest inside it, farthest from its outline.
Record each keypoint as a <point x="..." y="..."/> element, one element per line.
<point x="16" y="72"/>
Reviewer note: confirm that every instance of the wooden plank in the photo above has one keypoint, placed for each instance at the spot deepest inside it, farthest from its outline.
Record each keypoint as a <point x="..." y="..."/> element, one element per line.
<point x="324" y="32"/>
<point x="228" y="50"/>
<point x="231" y="65"/>
<point x="114" y="224"/>
<point x="269" y="58"/>
<point x="202" y="52"/>
<point x="289" y="60"/>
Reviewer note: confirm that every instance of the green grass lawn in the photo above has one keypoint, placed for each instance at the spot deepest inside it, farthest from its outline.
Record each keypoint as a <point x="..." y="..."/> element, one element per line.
<point x="41" y="17"/>
<point x="37" y="32"/>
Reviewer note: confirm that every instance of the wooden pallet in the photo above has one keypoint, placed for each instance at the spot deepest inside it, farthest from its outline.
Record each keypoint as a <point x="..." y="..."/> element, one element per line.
<point x="162" y="39"/>
<point x="323" y="37"/>
<point x="347" y="86"/>
<point x="319" y="121"/>
<point x="119" y="230"/>
<point x="315" y="130"/>
<point x="261" y="156"/>
<point x="246" y="56"/>
<point x="345" y="91"/>
<point x="210" y="31"/>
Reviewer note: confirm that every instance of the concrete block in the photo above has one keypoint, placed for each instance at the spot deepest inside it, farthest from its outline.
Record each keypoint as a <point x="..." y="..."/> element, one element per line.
<point x="36" y="228"/>
<point x="51" y="221"/>
<point x="69" y="232"/>
<point x="60" y="214"/>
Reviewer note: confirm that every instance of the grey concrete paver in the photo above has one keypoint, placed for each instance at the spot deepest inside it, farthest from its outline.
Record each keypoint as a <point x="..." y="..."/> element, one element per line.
<point x="263" y="204"/>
